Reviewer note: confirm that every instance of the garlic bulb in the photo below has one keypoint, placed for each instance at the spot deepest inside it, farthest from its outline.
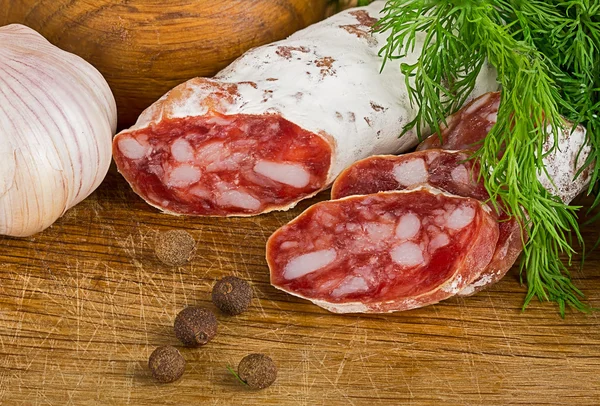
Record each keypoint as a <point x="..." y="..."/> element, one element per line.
<point x="57" y="119"/>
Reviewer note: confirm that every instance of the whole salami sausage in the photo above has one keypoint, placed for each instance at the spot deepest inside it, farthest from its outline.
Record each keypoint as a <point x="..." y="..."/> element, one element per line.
<point x="276" y="126"/>
<point x="384" y="252"/>
<point x="451" y="171"/>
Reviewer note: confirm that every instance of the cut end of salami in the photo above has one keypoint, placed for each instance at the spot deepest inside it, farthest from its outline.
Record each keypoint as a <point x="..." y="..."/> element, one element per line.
<point x="220" y="165"/>
<point x="450" y="171"/>
<point x="384" y="252"/>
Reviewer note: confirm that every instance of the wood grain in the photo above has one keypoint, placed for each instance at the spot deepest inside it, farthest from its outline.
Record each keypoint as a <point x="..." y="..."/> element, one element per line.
<point x="83" y="305"/>
<point x="144" y="48"/>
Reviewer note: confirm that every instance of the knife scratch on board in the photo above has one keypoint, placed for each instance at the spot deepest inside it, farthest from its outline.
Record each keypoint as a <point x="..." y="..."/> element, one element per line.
<point x="506" y="338"/>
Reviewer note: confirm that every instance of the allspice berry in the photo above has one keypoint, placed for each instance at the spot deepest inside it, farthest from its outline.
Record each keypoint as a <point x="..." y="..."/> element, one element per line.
<point x="195" y="326"/>
<point x="174" y="247"/>
<point x="167" y="364"/>
<point x="232" y="295"/>
<point x="257" y="370"/>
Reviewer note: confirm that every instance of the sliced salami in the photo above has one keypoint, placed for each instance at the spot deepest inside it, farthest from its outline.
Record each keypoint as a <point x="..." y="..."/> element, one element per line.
<point x="276" y="126"/>
<point x="208" y="165"/>
<point x="467" y="128"/>
<point x="450" y="171"/>
<point x="384" y="252"/>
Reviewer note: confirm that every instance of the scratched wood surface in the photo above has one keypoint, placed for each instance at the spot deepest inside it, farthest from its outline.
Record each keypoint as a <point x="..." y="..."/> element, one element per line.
<point x="83" y="304"/>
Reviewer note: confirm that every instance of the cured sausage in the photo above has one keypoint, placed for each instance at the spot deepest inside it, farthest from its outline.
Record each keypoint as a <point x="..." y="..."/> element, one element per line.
<point x="209" y="166"/>
<point x="384" y="252"/>
<point x="467" y="128"/>
<point x="450" y="171"/>
<point x="276" y="126"/>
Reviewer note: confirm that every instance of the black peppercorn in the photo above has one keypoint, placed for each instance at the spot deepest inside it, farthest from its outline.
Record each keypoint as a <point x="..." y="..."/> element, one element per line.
<point x="167" y="364"/>
<point x="174" y="247"/>
<point x="195" y="326"/>
<point x="257" y="370"/>
<point x="232" y="295"/>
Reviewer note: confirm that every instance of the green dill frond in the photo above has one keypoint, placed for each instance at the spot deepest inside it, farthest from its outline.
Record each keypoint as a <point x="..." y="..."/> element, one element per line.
<point x="438" y="86"/>
<point x="235" y="374"/>
<point x="459" y="36"/>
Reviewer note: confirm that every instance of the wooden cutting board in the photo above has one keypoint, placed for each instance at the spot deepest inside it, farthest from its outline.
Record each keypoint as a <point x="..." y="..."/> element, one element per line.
<point x="83" y="304"/>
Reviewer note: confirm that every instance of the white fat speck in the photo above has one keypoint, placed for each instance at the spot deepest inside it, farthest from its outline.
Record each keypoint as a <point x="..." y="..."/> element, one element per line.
<point x="408" y="226"/>
<point x="236" y="198"/>
<point x="275" y="127"/>
<point x="326" y="219"/>
<point x="353" y="227"/>
<point x="132" y="149"/>
<point x="407" y="254"/>
<point x="349" y="285"/>
<point x="378" y="232"/>
<point x="230" y="163"/>
<point x="211" y="152"/>
<point x="307" y="263"/>
<point x="183" y="175"/>
<point x="460" y="217"/>
<point x="289" y="244"/>
<point x="287" y="173"/>
<point x="200" y="192"/>
<point x="492" y="117"/>
<point x="182" y="151"/>
<point x="460" y="174"/>
<point x="439" y="241"/>
<point x="411" y="173"/>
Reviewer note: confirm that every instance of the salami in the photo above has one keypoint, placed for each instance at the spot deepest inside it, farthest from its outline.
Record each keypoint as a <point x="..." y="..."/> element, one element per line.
<point x="467" y="128"/>
<point x="276" y="126"/>
<point x="384" y="252"/>
<point x="450" y="171"/>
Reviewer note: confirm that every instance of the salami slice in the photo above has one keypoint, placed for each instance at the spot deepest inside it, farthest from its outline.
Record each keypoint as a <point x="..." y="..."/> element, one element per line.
<point x="384" y="252"/>
<point x="467" y="128"/>
<point x="450" y="171"/>
<point x="276" y="126"/>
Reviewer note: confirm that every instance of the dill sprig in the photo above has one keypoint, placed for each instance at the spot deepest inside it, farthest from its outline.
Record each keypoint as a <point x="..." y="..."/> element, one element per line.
<point x="232" y="372"/>
<point x="568" y="34"/>
<point x="458" y="37"/>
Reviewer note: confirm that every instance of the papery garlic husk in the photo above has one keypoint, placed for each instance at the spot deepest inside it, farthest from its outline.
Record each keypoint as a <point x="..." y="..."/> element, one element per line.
<point x="57" y="120"/>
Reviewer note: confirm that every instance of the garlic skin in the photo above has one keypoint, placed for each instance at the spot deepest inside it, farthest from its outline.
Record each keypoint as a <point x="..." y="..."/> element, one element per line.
<point x="57" y="120"/>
